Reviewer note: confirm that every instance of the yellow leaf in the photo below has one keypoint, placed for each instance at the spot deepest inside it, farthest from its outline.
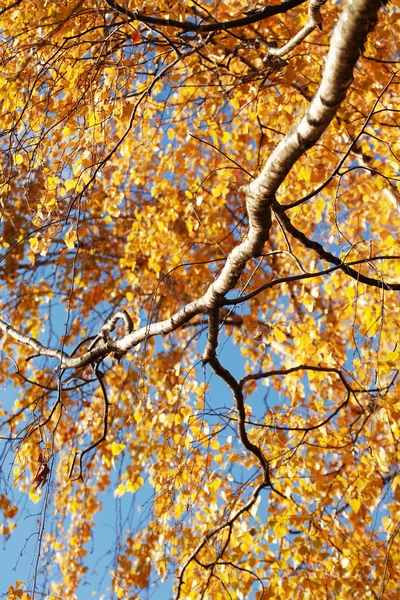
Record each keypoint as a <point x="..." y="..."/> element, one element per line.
<point x="179" y="509"/>
<point x="280" y="529"/>
<point x="134" y="486"/>
<point x="120" y="491"/>
<point x="214" y="486"/>
<point x="355" y="504"/>
<point x="69" y="184"/>
<point x="117" y="448"/>
<point x="70" y="238"/>
<point x="34" y="496"/>
<point x="67" y="131"/>
<point x="319" y="206"/>
<point x="226" y="136"/>
<point x="387" y="523"/>
<point x="279" y="335"/>
<point x="177" y="438"/>
<point x="305" y="173"/>
<point x="92" y="119"/>
<point x="390" y="241"/>
<point x="33" y="242"/>
<point x="73" y="505"/>
<point x="106" y="461"/>
<point x="392" y="358"/>
<point x="138" y="416"/>
<point x="218" y="190"/>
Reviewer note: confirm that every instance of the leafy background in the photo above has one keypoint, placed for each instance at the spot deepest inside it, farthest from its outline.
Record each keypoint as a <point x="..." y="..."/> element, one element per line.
<point x="125" y="144"/>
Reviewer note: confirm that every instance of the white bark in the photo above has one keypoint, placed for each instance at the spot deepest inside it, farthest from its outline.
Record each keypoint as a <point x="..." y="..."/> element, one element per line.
<point x="314" y="20"/>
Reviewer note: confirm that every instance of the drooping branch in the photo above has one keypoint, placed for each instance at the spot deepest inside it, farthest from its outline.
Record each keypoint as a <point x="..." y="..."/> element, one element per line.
<point x="315" y="368"/>
<point x="211" y="534"/>
<point x="239" y="401"/>
<point x="79" y="455"/>
<point x="237" y="391"/>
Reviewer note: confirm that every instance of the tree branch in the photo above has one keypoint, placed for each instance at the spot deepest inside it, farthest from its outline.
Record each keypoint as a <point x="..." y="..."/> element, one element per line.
<point x="314" y="20"/>
<point x="346" y="45"/>
<point x="239" y="400"/>
<point x="187" y="26"/>
<point x="10" y="6"/>
<point x="328" y="256"/>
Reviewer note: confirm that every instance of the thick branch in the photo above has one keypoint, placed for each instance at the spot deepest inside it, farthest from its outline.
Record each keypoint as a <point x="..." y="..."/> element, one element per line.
<point x="212" y="335"/>
<point x="187" y="26"/>
<point x="40" y="349"/>
<point x="347" y="42"/>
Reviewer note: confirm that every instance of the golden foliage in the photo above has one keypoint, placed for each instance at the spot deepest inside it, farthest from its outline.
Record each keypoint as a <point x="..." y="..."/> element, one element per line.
<point x="125" y="140"/>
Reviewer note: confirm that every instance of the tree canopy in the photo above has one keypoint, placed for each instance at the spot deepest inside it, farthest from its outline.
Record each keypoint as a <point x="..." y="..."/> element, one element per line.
<point x="200" y="317"/>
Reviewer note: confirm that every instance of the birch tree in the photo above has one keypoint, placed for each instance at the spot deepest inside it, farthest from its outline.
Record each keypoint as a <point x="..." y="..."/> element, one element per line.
<point x="183" y="183"/>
